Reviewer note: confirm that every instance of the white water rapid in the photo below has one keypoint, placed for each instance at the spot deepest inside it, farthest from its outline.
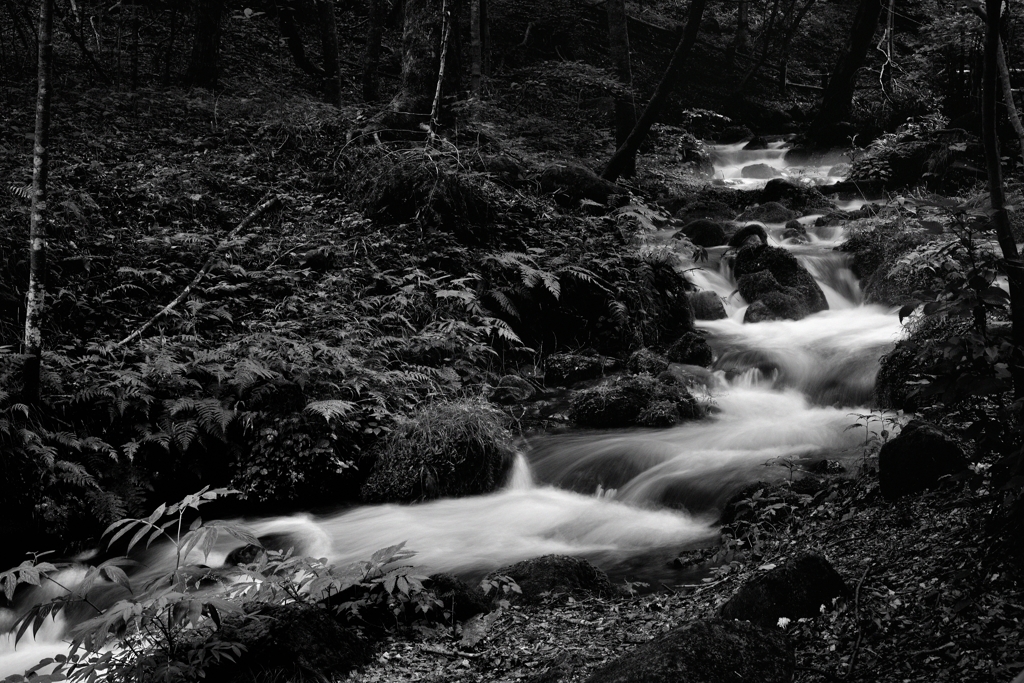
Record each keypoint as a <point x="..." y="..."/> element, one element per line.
<point x="629" y="500"/>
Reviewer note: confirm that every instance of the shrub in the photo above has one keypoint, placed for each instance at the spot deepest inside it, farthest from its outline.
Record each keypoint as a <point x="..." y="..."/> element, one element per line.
<point x="449" y="449"/>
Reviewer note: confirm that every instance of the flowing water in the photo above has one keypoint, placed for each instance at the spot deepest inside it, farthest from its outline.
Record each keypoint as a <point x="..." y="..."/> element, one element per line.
<point x="781" y="392"/>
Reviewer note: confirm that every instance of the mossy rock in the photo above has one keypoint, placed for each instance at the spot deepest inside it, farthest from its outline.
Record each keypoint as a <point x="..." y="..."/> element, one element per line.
<point x="753" y="286"/>
<point x="459" y="599"/>
<point x="646" y="361"/>
<point x="754" y="233"/>
<point x="512" y="389"/>
<point x="759" y="172"/>
<point x="622" y="402"/>
<point x="555" y="576"/>
<point x="442" y="450"/>
<point x="707" y="305"/>
<point x="768" y="212"/>
<point x="917" y="459"/>
<point x="571" y="183"/>
<point x="775" y="306"/>
<point x="708" y="651"/>
<point x="691" y="349"/>
<point x="569" y="368"/>
<point x="796" y="197"/>
<point x="786" y="269"/>
<point x="705" y="233"/>
<point x="795" y="589"/>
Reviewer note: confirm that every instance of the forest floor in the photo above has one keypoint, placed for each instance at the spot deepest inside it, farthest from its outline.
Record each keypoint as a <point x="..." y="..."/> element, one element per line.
<point x="931" y="599"/>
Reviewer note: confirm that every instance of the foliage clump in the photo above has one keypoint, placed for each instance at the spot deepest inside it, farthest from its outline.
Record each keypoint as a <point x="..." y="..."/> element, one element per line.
<point x="446" y="449"/>
<point x="633" y="400"/>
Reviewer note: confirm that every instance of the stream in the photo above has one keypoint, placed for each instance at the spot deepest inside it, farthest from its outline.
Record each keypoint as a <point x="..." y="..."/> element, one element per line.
<point x="629" y="500"/>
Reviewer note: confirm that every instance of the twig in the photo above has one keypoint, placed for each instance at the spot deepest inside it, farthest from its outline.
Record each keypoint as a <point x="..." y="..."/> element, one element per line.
<point x="454" y="654"/>
<point x="246" y="222"/>
<point x="856" y="619"/>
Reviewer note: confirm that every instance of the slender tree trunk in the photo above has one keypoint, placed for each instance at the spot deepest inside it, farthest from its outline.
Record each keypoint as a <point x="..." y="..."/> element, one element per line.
<point x="1011" y="107"/>
<point x="203" y="68"/>
<point x="76" y="37"/>
<point x="625" y="111"/>
<point x="476" y="49"/>
<point x="838" y="97"/>
<point x="787" y="43"/>
<point x="741" y="40"/>
<point x="767" y="35"/>
<point x="1000" y="219"/>
<point x="135" y="47"/>
<point x="332" y="56"/>
<point x="286" y="20"/>
<point x="371" y="58"/>
<point x="421" y="61"/>
<point x="627" y="151"/>
<point x="35" y="308"/>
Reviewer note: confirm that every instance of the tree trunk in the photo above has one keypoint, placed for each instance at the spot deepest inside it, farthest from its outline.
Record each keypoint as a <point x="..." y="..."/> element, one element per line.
<point x="787" y="43"/>
<point x="35" y="307"/>
<point x="1011" y="107"/>
<point x="421" y="61"/>
<point x="627" y="151"/>
<point x="741" y="41"/>
<point x="838" y="97"/>
<point x="371" y="57"/>
<point x="203" y="66"/>
<point x="290" y="31"/>
<point x="767" y="35"/>
<point x="332" y="56"/>
<point x="999" y="217"/>
<point x="476" y="47"/>
<point x="618" y="44"/>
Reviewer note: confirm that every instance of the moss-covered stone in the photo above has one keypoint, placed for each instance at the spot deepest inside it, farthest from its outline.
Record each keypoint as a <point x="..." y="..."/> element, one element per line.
<point x="442" y="450"/>
<point x="794" y="590"/>
<point x="707" y="305"/>
<point x="769" y="212"/>
<point x="753" y="233"/>
<point x="691" y="349"/>
<point x="569" y="368"/>
<point x="622" y="402"/>
<point x="705" y="233"/>
<point x="554" y="576"/>
<point x="646" y="361"/>
<point x="775" y="306"/>
<point x="794" y="278"/>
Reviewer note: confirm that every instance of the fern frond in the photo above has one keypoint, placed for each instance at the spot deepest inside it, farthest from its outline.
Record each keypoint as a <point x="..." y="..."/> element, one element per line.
<point x="332" y="408"/>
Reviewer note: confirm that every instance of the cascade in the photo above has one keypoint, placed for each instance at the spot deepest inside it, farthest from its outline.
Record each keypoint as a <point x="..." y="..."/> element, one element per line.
<point x="783" y="391"/>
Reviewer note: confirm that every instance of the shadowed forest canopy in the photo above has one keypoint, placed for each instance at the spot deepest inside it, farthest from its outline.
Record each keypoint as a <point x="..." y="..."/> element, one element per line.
<point x="524" y="335"/>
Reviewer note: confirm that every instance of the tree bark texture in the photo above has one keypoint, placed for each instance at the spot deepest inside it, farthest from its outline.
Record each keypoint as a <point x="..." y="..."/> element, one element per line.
<point x="203" y="69"/>
<point x="618" y="47"/>
<point x="476" y="46"/>
<point x="421" y="60"/>
<point x="286" y="20"/>
<point x="35" y="306"/>
<point x="628" y="149"/>
<point x="371" y="57"/>
<point x="838" y="97"/>
<point x="332" y="55"/>
<point x="1000" y="219"/>
<point x="1011" y="107"/>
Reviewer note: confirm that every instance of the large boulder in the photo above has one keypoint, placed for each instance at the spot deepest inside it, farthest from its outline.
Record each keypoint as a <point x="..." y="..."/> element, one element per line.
<point x="571" y="183"/>
<point x="542" y="578"/>
<point x="775" y="306"/>
<point x="442" y="450"/>
<point x="794" y="590"/>
<point x="707" y="305"/>
<point x="458" y="598"/>
<point x="705" y="233"/>
<point x="754" y="233"/>
<point x="288" y="642"/>
<point x="691" y="349"/>
<point x="768" y="212"/>
<point x="759" y="172"/>
<point x="626" y="401"/>
<point x="646" y="361"/>
<point x="916" y="459"/>
<point x="786" y="269"/>
<point x="753" y="286"/>
<point x="710" y="651"/>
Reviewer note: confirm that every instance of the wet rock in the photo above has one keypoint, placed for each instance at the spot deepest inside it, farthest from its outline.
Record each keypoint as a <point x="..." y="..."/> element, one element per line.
<point x="286" y="642"/>
<point x="512" y="389"/>
<point x="707" y="305"/>
<point x="759" y="172"/>
<point x="794" y="590"/>
<point x="916" y="459"/>
<point x="646" y="361"/>
<point x="621" y="403"/>
<point x="502" y="167"/>
<point x="571" y="183"/>
<point x="569" y="368"/>
<point x="757" y="143"/>
<point x="554" y="576"/>
<point x="691" y="349"/>
<point x="769" y="212"/>
<point x="694" y="155"/>
<point x="794" y="196"/>
<point x="752" y="233"/>
<point x="705" y="233"/>
<point x="734" y="134"/>
<point x="793" y="277"/>
<point x="754" y="286"/>
<point x="840" y="171"/>
<point x="690" y="376"/>
<point x="795" y="230"/>
<point x="775" y="306"/>
<point x="460" y="599"/>
<point x="711" y="209"/>
<point x="708" y="651"/>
